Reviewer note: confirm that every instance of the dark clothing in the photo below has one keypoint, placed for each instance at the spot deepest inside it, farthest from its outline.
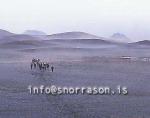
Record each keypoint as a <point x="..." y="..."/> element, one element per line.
<point x="52" y="68"/>
<point x="40" y="66"/>
<point x="47" y="66"/>
<point x="34" y="65"/>
<point x="31" y="66"/>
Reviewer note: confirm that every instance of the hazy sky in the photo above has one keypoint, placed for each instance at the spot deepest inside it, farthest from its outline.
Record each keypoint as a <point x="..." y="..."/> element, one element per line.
<point x="100" y="17"/>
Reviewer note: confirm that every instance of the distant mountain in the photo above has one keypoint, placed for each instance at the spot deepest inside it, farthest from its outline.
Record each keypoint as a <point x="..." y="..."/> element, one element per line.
<point x="91" y="41"/>
<point x="73" y="35"/>
<point x="34" y="32"/>
<point x="4" y="33"/>
<point x="118" y="37"/>
<point x="19" y="37"/>
<point x="23" y="44"/>
<point x="144" y="42"/>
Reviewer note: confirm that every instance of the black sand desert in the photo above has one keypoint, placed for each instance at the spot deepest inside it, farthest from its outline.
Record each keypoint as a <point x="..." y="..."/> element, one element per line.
<point x="79" y="59"/>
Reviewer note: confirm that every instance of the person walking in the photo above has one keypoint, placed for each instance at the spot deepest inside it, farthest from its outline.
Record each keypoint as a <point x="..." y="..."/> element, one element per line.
<point x="34" y="65"/>
<point x="52" y="68"/>
<point x="40" y="66"/>
<point x="47" y="66"/>
<point x="31" y="66"/>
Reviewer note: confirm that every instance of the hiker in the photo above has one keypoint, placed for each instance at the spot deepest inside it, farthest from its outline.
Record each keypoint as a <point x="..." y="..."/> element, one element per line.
<point x="52" y="68"/>
<point x="47" y="65"/>
<point x="40" y="66"/>
<point x="38" y="61"/>
<point x="34" y="65"/>
<point x="31" y="66"/>
<point x="43" y="67"/>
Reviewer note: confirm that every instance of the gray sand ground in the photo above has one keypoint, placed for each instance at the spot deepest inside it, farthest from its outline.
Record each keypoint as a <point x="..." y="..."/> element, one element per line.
<point x="74" y="67"/>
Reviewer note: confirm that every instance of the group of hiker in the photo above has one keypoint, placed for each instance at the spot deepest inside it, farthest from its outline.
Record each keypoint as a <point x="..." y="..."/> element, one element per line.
<point x="36" y="63"/>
